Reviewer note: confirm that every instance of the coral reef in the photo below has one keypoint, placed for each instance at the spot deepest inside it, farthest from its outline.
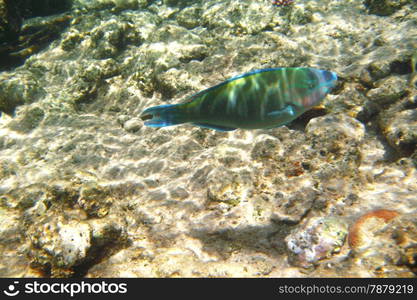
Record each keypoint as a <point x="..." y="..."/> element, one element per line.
<point x="316" y="241"/>
<point x="23" y="31"/>
<point x="384" y="7"/>
<point x="87" y="190"/>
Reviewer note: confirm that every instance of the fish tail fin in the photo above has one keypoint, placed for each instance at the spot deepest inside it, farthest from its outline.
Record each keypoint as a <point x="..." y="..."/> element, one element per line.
<point x="162" y="115"/>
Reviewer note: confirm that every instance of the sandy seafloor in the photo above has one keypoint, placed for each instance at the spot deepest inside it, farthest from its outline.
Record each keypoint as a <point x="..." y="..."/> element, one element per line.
<point x="87" y="190"/>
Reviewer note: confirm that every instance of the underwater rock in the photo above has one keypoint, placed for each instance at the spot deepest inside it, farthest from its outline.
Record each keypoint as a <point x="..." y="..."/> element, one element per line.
<point x="95" y="200"/>
<point x="282" y="187"/>
<point x="388" y="90"/>
<point x="117" y="4"/>
<point x="111" y="37"/>
<point x="10" y="22"/>
<point x="189" y="17"/>
<point x="132" y="125"/>
<point x="17" y="89"/>
<point x="339" y="124"/>
<point x="30" y="119"/>
<point x="384" y="7"/>
<point x="7" y="168"/>
<point x="107" y="234"/>
<point x="23" y="33"/>
<point x="75" y="239"/>
<point x="299" y="15"/>
<point x="292" y="208"/>
<point x="60" y="244"/>
<point x="229" y="156"/>
<point x="414" y="158"/>
<point x="401" y="130"/>
<point x="353" y="102"/>
<point x="317" y="239"/>
<point x="266" y="147"/>
<point x="377" y="70"/>
<point x="189" y="201"/>
<point x="61" y="248"/>
<point x="10" y="226"/>
<point x="242" y="18"/>
<point x="165" y="57"/>
<point x="173" y="2"/>
<point x="171" y="82"/>
<point x="398" y="123"/>
<point x="12" y="245"/>
<point x="227" y="186"/>
<point x="179" y="193"/>
<point x="36" y="8"/>
<point x="181" y="47"/>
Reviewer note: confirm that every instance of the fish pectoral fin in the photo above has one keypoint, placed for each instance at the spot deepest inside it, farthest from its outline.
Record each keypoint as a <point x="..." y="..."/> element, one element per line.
<point x="215" y="127"/>
<point x="285" y="113"/>
<point x="282" y="116"/>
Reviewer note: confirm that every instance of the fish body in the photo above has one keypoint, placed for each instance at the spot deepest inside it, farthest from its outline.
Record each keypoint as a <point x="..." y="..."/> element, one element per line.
<point x="264" y="98"/>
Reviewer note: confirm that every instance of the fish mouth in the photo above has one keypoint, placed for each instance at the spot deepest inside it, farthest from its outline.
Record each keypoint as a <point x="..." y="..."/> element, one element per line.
<point x="145" y="117"/>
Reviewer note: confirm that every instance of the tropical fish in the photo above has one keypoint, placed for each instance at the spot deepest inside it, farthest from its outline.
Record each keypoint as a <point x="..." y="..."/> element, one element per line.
<point x="265" y="98"/>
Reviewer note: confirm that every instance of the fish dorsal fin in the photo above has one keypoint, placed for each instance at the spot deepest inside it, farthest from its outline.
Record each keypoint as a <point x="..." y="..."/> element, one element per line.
<point x="198" y="94"/>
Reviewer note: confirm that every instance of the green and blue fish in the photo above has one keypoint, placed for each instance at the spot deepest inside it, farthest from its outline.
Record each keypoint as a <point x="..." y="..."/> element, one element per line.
<point x="265" y="98"/>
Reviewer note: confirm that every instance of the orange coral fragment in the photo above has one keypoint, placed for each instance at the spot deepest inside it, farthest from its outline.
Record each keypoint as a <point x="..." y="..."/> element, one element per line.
<point x="355" y="236"/>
